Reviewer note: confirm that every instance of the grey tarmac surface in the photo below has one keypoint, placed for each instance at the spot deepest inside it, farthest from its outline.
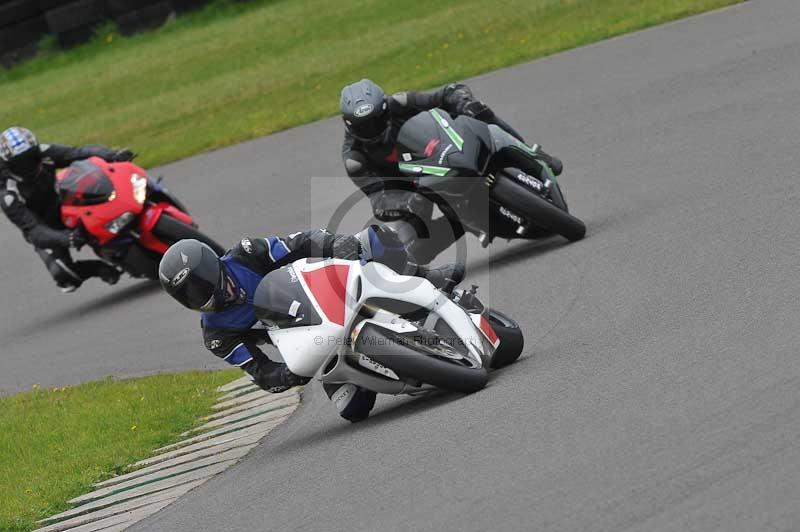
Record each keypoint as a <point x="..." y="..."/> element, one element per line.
<point x="660" y="384"/>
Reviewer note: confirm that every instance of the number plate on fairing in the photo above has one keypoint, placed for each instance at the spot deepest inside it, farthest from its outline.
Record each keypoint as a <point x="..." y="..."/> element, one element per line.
<point x="366" y="362"/>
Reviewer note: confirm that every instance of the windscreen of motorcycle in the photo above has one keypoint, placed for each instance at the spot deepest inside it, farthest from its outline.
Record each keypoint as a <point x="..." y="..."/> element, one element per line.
<point x="434" y="143"/>
<point x="281" y="302"/>
<point x="84" y="183"/>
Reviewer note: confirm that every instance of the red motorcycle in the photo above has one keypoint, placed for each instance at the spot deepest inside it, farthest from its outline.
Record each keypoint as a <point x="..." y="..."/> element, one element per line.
<point x="131" y="219"/>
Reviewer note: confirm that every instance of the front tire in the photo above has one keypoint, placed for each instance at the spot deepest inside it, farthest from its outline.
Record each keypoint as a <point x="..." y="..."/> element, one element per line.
<point x="537" y="209"/>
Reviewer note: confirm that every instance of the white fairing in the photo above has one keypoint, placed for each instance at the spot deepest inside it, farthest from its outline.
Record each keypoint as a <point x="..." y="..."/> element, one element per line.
<point x="307" y="349"/>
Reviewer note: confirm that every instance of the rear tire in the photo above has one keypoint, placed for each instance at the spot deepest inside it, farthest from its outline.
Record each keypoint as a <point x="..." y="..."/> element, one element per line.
<point x="394" y="352"/>
<point x="537" y="209"/>
<point x="511" y="339"/>
<point x="170" y="230"/>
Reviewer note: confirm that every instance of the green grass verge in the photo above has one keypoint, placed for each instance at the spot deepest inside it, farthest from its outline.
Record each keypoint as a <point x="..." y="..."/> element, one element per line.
<point x="233" y="72"/>
<point x="55" y="443"/>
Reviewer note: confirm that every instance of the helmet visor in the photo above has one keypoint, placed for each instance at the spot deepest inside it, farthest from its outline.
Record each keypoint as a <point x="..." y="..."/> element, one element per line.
<point x="370" y="129"/>
<point x="196" y="293"/>
<point x="26" y="165"/>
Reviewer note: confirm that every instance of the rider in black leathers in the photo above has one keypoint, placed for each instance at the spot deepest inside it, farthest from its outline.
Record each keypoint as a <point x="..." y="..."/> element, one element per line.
<point x="29" y="198"/>
<point x="372" y="121"/>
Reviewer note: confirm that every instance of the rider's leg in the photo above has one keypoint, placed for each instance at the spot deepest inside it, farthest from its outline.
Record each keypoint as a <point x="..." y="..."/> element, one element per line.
<point x="383" y="244"/>
<point x="519" y="154"/>
<point x="69" y="274"/>
<point x="444" y="232"/>
<point x="61" y="267"/>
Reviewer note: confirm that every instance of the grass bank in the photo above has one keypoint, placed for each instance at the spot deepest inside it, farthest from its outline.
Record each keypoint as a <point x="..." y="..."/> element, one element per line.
<point x="55" y="443"/>
<point x="237" y="71"/>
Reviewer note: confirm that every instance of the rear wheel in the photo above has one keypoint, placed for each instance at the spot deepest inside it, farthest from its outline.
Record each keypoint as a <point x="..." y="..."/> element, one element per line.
<point x="537" y="209"/>
<point x="511" y="339"/>
<point x="419" y="359"/>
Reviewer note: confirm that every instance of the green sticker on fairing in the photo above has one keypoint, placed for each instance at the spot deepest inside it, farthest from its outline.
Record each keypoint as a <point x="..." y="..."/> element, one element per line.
<point x="445" y="125"/>
<point x="422" y="169"/>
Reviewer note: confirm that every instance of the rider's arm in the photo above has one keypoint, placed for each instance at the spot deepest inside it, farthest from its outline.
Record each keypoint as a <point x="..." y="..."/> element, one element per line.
<point x="456" y="99"/>
<point x="65" y="155"/>
<point x="451" y="98"/>
<point x="35" y="231"/>
<point x="363" y="174"/>
<point x="237" y="350"/>
<point x="263" y="255"/>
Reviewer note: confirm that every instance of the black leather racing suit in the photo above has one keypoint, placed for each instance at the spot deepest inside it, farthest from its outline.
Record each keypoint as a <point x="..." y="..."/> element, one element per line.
<point x="33" y="206"/>
<point x="373" y="168"/>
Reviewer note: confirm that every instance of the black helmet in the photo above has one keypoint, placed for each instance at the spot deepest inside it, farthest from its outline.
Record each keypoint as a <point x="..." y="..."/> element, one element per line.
<point x="365" y="111"/>
<point x="19" y="149"/>
<point x="193" y="274"/>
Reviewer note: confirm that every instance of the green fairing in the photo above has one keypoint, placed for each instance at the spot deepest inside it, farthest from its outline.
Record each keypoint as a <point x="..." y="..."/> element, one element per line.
<point x="455" y="137"/>
<point x="431" y="170"/>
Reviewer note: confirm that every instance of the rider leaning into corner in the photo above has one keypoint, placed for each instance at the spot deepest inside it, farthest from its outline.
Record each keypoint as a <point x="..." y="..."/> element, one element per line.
<point x="372" y="121"/>
<point x="29" y="198"/>
<point x="222" y="289"/>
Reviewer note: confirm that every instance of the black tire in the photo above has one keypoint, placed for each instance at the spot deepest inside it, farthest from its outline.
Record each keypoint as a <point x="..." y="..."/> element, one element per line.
<point x="418" y="362"/>
<point x="511" y="339"/>
<point x="17" y="11"/>
<point x="79" y="14"/>
<point x="170" y="230"/>
<point x="537" y="209"/>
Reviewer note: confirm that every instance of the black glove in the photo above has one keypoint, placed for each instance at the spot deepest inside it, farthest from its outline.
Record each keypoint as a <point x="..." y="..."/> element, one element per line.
<point x="123" y="156"/>
<point x="476" y="109"/>
<point x="456" y="96"/>
<point x="77" y="239"/>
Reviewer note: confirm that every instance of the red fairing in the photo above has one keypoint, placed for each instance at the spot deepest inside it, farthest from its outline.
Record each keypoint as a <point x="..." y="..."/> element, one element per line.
<point x="76" y="208"/>
<point x="328" y="285"/>
<point x="95" y="195"/>
<point x="148" y="219"/>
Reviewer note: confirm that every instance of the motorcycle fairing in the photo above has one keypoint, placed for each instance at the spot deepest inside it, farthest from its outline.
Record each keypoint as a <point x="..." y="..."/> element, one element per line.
<point x="319" y="349"/>
<point x="77" y="208"/>
<point x="149" y="218"/>
<point x="433" y="143"/>
<point x="486" y="328"/>
<point x="328" y="286"/>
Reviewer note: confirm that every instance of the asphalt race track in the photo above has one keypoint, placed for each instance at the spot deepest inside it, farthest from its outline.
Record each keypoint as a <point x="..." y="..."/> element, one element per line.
<point x="660" y="385"/>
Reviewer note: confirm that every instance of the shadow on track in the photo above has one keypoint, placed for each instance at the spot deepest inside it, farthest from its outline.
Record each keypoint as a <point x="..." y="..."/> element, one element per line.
<point x="402" y="407"/>
<point x="525" y="251"/>
<point x="87" y="309"/>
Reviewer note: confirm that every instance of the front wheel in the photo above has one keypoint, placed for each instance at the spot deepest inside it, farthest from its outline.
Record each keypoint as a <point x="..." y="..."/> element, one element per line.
<point x="536" y="209"/>
<point x="169" y="230"/>
<point x="419" y="359"/>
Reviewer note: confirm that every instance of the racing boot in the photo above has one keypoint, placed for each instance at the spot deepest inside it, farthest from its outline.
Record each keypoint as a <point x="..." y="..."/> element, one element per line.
<point x="552" y="161"/>
<point x="445" y="278"/>
<point x="108" y="274"/>
<point x="67" y="288"/>
<point x="352" y="402"/>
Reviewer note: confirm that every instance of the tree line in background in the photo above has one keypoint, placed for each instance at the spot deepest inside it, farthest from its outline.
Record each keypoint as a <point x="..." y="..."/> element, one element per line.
<point x="23" y="23"/>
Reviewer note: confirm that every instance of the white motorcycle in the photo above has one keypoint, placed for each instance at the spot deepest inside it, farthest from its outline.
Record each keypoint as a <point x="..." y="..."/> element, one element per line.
<point x="341" y="321"/>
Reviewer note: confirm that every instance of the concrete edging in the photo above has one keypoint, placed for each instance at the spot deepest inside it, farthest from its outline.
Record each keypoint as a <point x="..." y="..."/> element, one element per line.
<point x="243" y="415"/>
